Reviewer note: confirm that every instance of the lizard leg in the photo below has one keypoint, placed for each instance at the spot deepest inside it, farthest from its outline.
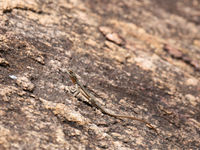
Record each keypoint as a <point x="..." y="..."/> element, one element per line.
<point x="73" y="90"/>
<point x="67" y="89"/>
<point x="76" y="91"/>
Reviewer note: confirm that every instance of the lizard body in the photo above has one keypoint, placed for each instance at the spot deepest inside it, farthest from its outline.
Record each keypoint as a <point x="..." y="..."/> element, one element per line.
<point x="80" y="88"/>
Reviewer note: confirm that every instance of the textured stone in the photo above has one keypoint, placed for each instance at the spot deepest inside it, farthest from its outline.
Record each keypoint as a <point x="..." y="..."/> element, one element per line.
<point x="3" y="62"/>
<point x="133" y="56"/>
<point x="25" y="83"/>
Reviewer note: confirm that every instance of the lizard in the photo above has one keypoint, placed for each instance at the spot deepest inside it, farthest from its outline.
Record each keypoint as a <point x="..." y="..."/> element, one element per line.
<point x="92" y="99"/>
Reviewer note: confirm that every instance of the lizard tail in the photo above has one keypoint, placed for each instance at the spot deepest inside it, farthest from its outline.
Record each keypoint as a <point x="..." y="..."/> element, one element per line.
<point x="105" y="111"/>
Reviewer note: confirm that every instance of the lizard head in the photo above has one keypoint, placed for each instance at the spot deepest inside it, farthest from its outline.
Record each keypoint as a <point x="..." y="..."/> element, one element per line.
<point x="72" y="76"/>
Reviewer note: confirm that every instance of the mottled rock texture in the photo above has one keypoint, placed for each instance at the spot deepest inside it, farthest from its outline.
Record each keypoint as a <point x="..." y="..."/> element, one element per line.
<point x="140" y="57"/>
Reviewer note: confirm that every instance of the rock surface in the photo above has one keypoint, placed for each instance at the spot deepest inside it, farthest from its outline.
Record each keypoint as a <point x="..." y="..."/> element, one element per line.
<point x="138" y="56"/>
